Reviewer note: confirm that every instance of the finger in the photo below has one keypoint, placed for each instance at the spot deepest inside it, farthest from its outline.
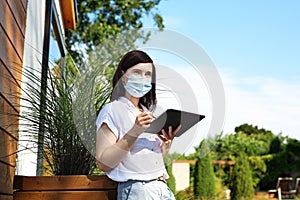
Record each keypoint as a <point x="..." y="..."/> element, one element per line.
<point x="151" y="115"/>
<point x="162" y="138"/>
<point x="170" y="134"/>
<point x="146" y="114"/>
<point x="165" y="134"/>
<point x="144" y="121"/>
<point x="147" y="122"/>
<point x="146" y="117"/>
<point x="177" y="129"/>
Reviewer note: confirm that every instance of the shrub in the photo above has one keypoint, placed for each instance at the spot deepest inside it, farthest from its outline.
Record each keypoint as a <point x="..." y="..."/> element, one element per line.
<point x="204" y="179"/>
<point x="242" y="185"/>
<point x="171" y="181"/>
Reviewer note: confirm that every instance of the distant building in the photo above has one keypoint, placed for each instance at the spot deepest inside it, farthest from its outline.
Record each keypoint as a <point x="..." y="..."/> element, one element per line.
<point x="181" y="173"/>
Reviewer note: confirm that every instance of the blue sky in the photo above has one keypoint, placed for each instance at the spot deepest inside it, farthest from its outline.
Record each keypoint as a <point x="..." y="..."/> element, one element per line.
<point x="254" y="37"/>
<point x="255" y="46"/>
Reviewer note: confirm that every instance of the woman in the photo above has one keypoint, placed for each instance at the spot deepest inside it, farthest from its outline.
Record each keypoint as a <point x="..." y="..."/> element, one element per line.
<point x="125" y="152"/>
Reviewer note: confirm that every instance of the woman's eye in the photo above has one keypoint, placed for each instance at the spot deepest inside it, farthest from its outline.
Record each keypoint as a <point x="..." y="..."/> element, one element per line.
<point x="137" y="72"/>
<point x="148" y="74"/>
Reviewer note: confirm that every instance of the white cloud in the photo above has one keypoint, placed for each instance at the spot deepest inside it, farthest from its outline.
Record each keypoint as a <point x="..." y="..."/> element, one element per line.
<point x="267" y="102"/>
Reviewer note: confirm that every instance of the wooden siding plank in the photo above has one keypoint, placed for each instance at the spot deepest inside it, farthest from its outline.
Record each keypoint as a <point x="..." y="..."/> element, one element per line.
<point x="24" y="4"/>
<point x="19" y="14"/>
<point x="6" y="179"/>
<point x="12" y="62"/>
<point x="79" y="182"/>
<point x="8" y="132"/>
<point x="7" y="52"/>
<point x="8" y="149"/>
<point x="11" y="29"/>
<point x="9" y="86"/>
<point x="6" y="197"/>
<point x="63" y="195"/>
<point x="9" y="119"/>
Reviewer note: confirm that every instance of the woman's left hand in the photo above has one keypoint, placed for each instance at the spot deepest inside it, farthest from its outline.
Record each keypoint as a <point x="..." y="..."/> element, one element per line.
<point x="167" y="139"/>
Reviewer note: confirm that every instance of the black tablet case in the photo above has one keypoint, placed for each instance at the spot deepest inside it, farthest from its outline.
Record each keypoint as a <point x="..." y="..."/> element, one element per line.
<point x="172" y="117"/>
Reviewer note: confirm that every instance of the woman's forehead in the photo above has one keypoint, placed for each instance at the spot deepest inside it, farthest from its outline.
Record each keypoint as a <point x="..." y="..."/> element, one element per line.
<point x="142" y="66"/>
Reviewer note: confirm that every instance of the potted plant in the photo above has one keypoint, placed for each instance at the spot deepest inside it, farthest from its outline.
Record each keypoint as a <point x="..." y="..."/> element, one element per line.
<point x="68" y="134"/>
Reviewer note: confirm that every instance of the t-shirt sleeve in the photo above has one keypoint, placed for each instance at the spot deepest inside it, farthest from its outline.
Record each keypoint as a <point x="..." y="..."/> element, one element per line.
<point x="106" y="116"/>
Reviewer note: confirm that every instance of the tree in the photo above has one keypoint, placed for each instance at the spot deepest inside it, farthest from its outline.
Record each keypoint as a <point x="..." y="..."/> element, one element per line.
<point x="284" y="162"/>
<point x="204" y="184"/>
<point x="261" y="135"/>
<point x="269" y="155"/>
<point x="241" y="185"/>
<point x="275" y="145"/>
<point x="101" y="20"/>
<point x="250" y="129"/>
<point x="252" y="141"/>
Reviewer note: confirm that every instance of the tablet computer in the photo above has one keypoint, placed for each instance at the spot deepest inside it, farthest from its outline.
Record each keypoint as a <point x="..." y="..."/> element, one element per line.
<point x="172" y="117"/>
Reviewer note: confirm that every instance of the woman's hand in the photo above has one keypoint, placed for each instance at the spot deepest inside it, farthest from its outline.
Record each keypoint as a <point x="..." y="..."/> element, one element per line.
<point x="167" y="139"/>
<point x="142" y="122"/>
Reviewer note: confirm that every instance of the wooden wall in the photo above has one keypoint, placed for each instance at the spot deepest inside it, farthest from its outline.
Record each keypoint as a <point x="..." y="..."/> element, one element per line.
<point x="12" y="32"/>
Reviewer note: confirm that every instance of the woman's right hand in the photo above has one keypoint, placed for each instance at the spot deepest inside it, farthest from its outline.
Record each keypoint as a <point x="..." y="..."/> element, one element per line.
<point x="142" y="122"/>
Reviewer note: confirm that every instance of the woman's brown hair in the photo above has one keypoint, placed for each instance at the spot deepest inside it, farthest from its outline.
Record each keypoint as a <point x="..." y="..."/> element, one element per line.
<point x="129" y="60"/>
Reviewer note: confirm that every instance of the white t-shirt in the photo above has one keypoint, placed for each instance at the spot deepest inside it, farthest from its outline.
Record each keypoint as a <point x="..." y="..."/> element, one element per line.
<point x="144" y="161"/>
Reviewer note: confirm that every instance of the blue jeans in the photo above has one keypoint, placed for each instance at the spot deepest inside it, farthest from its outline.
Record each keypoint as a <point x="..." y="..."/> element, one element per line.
<point x="144" y="190"/>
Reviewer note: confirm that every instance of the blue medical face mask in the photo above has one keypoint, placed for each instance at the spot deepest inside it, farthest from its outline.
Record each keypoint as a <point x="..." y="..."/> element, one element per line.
<point x="138" y="86"/>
